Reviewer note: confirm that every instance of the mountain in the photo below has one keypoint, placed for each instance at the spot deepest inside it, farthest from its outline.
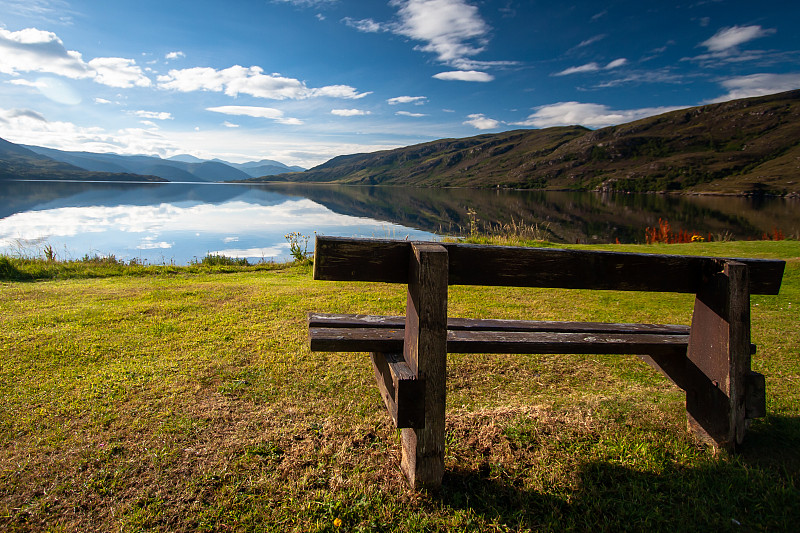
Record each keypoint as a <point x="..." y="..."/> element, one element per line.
<point x="182" y="167"/>
<point x="742" y="146"/>
<point x="18" y="162"/>
<point x="179" y="168"/>
<point x="185" y="158"/>
<point x="265" y="167"/>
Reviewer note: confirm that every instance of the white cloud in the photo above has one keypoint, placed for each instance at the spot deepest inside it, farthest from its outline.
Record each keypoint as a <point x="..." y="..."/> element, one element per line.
<point x="417" y="100"/>
<point x="589" y="115"/>
<point x="365" y="25"/>
<point x="230" y="124"/>
<point x="101" y="101"/>
<point x="237" y="80"/>
<point x="616" y="63"/>
<point x="758" y="85"/>
<point x="33" y="50"/>
<point x="118" y="72"/>
<point x="24" y="126"/>
<point x="174" y="55"/>
<point x="155" y="245"/>
<point x="592" y="67"/>
<point x="338" y="91"/>
<point x="156" y="115"/>
<point x="588" y="67"/>
<point x="727" y="38"/>
<point x="256" y="112"/>
<point x="409" y="114"/>
<point x="591" y="40"/>
<point x="27" y="83"/>
<point x="481" y="122"/>
<point x="464" y="75"/>
<point x="349" y="112"/>
<point x="448" y="27"/>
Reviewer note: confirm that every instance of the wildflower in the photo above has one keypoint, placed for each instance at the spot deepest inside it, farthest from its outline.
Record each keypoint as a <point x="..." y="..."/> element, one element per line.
<point x="337" y="522"/>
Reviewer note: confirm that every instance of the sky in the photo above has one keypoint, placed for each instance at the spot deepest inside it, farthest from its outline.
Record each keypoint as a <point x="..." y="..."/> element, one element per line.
<point x="302" y="81"/>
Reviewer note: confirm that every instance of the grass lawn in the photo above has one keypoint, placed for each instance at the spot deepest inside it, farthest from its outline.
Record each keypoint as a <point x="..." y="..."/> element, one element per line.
<point x="186" y="399"/>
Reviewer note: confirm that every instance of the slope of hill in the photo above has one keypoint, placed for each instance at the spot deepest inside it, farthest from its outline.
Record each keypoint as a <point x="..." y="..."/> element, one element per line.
<point x="179" y="168"/>
<point x="742" y="146"/>
<point x="18" y="162"/>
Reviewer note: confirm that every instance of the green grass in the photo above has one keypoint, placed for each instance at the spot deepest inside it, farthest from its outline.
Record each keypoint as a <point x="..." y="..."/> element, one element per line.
<point x="185" y="399"/>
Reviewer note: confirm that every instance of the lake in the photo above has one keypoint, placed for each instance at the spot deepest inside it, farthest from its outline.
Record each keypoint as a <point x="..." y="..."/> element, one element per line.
<point x="182" y="222"/>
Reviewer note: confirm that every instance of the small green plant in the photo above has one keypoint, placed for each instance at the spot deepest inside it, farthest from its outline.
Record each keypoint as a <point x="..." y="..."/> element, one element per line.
<point x="223" y="260"/>
<point x="473" y="222"/>
<point x="298" y="246"/>
<point x="49" y="253"/>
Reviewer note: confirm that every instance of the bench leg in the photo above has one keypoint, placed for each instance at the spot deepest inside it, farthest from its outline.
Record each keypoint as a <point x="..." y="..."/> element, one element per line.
<point x="718" y="357"/>
<point x="425" y="352"/>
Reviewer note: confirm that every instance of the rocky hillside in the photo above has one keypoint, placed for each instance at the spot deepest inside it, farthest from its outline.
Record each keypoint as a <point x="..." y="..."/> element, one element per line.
<point x="746" y="146"/>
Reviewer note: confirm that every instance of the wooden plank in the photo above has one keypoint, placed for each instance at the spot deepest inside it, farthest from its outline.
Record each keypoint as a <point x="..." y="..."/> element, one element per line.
<point x="342" y="259"/>
<point x="425" y="352"/>
<point x="402" y="392"/>
<point x="719" y="347"/>
<point x="356" y="339"/>
<point x="330" y="320"/>
<point x="361" y="339"/>
<point x="351" y="259"/>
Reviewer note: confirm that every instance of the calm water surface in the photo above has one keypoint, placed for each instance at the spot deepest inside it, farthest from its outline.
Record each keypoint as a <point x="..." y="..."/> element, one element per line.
<point x="177" y="222"/>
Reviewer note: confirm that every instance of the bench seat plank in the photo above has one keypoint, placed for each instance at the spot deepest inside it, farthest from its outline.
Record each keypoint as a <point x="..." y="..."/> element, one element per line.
<point x="332" y="320"/>
<point x="363" y="339"/>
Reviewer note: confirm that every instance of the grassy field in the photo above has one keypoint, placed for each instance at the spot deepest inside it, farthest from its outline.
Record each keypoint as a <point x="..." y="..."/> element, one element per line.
<point x="186" y="399"/>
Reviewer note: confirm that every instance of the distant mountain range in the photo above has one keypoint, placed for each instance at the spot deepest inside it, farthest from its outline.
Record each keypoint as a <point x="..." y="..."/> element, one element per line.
<point x="748" y="146"/>
<point x="34" y="162"/>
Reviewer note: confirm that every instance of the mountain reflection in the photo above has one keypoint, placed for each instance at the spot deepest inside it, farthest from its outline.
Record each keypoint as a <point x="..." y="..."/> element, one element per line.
<point x="562" y="216"/>
<point x="174" y="221"/>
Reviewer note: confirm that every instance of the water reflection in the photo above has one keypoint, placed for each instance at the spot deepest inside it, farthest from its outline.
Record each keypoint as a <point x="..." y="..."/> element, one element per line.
<point x="169" y="222"/>
<point x="562" y="216"/>
<point x="178" y="222"/>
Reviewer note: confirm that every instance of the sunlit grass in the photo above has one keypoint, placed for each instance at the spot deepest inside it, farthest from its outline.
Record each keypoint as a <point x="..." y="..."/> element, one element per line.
<point x="185" y="399"/>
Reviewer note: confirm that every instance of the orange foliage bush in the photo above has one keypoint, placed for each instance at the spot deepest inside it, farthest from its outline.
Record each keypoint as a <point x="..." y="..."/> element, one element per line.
<point x="664" y="234"/>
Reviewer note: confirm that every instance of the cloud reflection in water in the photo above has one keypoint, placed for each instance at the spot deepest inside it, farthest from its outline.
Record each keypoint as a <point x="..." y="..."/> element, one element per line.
<point x="184" y="230"/>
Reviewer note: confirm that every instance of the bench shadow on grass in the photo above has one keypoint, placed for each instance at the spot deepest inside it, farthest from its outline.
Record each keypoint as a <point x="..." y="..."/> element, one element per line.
<point x="756" y="489"/>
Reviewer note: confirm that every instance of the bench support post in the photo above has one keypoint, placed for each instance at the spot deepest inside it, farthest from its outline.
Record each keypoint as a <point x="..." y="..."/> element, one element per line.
<point x="425" y="352"/>
<point x="718" y="359"/>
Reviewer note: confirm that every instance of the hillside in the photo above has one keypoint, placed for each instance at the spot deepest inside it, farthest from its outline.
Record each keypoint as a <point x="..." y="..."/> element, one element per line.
<point x="18" y="162"/>
<point x="178" y="168"/>
<point x="742" y="146"/>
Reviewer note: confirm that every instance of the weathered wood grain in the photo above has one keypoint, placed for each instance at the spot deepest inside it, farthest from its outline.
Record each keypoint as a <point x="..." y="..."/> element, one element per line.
<point x="402" y="392"/>
<point x="330" y="320"/>
<point x="360" y="339"/>
<point x="351" y="259"/>
<point x="719" y="346"/>
<point x="709" y="360"/>
<point x="425" y="351"/>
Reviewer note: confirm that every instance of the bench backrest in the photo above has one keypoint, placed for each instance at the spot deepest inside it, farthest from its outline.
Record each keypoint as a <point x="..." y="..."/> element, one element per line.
<point x="381" y="260"/>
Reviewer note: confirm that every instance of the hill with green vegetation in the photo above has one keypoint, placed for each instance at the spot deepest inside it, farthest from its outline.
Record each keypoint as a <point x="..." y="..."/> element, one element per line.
<point x="747" y="146"/>
<point x="20" y="163"/>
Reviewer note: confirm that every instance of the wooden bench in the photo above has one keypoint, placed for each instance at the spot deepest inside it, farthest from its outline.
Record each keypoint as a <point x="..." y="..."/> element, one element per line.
<point x="710" y="359"/>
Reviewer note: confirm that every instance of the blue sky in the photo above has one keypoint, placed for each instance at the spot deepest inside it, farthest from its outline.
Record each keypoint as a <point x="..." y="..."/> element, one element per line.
<point x="301" y="81"/>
